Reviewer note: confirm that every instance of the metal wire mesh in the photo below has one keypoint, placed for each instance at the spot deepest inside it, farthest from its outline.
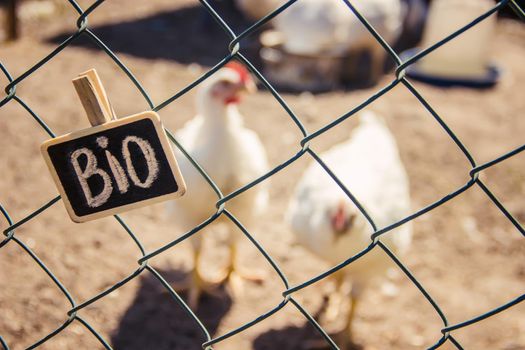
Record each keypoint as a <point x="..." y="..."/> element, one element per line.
<point x="288" y="290"/>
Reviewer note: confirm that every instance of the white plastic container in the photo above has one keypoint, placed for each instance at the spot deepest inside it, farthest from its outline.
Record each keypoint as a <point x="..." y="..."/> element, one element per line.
<point x="466" y="56"/>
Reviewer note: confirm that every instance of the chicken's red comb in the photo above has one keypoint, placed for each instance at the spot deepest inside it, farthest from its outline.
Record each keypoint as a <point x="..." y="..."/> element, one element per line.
<point x="240" y="69"/>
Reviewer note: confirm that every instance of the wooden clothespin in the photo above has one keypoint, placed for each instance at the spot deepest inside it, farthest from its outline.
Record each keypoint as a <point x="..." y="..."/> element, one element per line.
<point x="94" y="98"/>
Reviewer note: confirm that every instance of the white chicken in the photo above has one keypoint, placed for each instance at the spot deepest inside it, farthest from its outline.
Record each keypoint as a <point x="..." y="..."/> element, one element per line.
<point x="326" y="222"/>
<point x="231" y="155"/>
<point x="330" y="28"/>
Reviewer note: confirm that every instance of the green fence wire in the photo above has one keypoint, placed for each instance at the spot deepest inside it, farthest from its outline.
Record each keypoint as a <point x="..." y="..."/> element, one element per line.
<point x="235" y="49"/>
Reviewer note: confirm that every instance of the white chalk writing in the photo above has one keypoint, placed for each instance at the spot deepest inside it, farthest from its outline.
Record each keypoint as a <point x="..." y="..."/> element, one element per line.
<point x="90" y="170"/>
<point x="118" y="173"/>
<point x="117" y="170"/>
<point x="149" y="155"/>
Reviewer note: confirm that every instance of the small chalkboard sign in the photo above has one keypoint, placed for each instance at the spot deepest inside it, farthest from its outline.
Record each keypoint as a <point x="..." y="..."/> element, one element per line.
<point x="113" y="167"/>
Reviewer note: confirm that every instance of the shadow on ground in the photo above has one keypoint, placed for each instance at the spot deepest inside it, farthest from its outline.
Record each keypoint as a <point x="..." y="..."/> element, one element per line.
<point x="186" y="35"/>
<point x="297" y="338"/>
<point x="155" y="320"/>
<point x="305" y="337"/>
<point x="289" y="338"/>
<point x="191" y="35"/>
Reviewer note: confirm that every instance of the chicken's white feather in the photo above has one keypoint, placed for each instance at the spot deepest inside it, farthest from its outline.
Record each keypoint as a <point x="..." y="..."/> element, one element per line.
<point x="368" y="164"/>
<point x="320" y="27"/>
<point x="231" y="154"/>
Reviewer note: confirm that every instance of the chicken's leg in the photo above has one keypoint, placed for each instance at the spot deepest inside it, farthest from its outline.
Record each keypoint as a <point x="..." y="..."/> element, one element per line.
<point x="195" y="284"/>
<point x="234" y="273"/>
<point x="345" y="337"/>
<point x="334" y="305"/>
<point x="335" y="298"/>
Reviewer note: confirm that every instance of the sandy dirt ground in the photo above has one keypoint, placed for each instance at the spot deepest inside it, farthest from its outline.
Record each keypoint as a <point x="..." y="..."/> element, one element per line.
<point x="467" y="255"/>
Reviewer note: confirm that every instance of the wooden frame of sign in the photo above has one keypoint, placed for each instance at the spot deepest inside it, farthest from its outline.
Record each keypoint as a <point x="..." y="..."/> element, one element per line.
<point x="117" y="166"/>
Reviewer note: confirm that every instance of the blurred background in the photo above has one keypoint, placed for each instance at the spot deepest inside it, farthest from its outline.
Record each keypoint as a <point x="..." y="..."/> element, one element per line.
<point x="465" y="252"/>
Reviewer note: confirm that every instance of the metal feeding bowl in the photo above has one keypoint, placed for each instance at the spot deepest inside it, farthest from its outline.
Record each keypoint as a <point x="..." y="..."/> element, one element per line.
<point x="295" y="72"/>
<point x="315" y="73"/>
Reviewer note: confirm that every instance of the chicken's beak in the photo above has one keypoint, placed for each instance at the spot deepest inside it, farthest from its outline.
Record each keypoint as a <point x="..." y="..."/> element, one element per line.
<point x="246" y="86"/>
<point x="341" y="220"/>
<point x="249" y="86"/>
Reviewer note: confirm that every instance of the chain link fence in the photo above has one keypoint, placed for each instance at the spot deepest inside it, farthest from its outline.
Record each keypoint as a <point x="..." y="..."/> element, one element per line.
<point x="235" y="52"/>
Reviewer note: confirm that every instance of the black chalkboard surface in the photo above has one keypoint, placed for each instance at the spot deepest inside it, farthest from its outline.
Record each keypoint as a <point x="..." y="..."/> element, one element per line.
<point x="114" y="167"/>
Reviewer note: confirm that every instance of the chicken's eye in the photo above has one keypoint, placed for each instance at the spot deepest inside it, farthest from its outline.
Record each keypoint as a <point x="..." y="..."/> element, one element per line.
<point x="225" y="84"/>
